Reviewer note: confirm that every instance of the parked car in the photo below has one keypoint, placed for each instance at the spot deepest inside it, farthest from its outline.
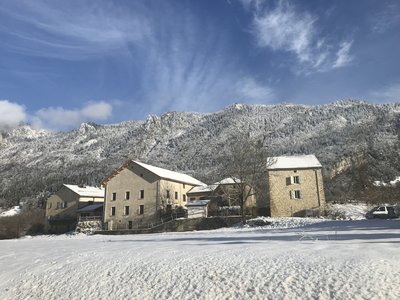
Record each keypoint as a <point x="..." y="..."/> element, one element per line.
<point x="384" y="212"/>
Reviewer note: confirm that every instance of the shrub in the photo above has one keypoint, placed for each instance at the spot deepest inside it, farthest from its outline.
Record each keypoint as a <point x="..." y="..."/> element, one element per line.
<point x="28" y="222"/>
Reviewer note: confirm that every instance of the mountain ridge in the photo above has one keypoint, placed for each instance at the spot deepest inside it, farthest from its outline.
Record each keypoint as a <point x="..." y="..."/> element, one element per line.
<point x="35" y="162"/>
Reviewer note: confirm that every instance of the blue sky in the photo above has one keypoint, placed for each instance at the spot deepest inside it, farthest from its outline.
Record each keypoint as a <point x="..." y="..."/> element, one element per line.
<point x="67" y="62"/>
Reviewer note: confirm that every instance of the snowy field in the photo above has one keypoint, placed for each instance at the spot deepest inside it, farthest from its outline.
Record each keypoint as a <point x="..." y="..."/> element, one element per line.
<point x="293" y="259"/>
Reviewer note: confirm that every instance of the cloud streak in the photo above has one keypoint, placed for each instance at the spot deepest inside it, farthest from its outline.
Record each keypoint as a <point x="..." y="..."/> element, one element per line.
<point x="386" y="19"/>
<point x="72" y="29"/>
<point x="286" y="29"/>
<point x="252" y="91"/>
<point x="188" y="67"/>
<point x="389" y="93"/>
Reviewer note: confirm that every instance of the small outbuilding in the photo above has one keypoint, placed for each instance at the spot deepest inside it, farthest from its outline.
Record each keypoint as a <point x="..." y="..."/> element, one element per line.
<point x="197" y="209"/>
<point x="62" y="207"/>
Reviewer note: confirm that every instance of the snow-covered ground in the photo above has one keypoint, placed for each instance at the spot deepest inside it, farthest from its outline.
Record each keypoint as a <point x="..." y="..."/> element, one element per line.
<point x="348" y="211"/>
<point x="353" y="259"/>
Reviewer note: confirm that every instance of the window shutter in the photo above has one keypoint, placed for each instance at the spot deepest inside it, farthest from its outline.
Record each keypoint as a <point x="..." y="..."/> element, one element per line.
<point x="291" y="194"/>
<point x="301" y="194"/>
<point x="288" y="180"/>
<point x="299" y="178"/>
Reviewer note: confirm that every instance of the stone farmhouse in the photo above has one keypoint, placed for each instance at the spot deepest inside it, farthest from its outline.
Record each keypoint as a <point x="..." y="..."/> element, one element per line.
<point x="138" y="193"/>
<point x="62" y="207"/>
<point x="295" y="186"/>
<point x="223" y="198"/>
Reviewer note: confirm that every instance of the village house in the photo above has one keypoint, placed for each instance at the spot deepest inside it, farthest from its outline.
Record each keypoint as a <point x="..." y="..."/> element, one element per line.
<point x="223" y="196"/>
<point x="138" y="193"/>
<point x="63" y="207"/>
<point x="295" y="186"/>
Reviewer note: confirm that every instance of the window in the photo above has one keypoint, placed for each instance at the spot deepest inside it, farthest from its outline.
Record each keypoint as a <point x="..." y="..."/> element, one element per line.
<point x="127" y="195"/>
<point x="184" y="198"/>
<point x="292" y="180"/>
<point x="130" y="225"/>
<point x="176" y="195"/>
<point x="141" y="194"/>
<point x="126" y="210"/>
<point x="113" y="210"/>
<point x="61" y="205"/>
<point x="141" y="209"/>
<point x="168" y="194"/>
<point x="192" y="198"/>
<point x="296" y="194"/>
<point x="49" y="205"/>
<point x="114" y="196"/>
<point x="184" y="186"/>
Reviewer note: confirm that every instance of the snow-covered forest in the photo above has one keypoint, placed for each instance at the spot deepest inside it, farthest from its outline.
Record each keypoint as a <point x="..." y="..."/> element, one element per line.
<point x="343" y="135"/>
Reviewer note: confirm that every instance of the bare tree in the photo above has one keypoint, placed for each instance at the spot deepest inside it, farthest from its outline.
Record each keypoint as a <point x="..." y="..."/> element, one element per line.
<point x="245" y="162"/>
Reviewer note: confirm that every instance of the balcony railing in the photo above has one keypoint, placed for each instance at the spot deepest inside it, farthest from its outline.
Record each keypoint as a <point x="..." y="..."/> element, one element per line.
<point x="90" y="218"/>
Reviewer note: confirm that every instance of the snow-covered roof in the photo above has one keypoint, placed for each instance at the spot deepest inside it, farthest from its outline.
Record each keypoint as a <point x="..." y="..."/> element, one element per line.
<point x="198" y="203"/>
<point x="294" y="162"/>
<point x="167" y="174"/>
<point x="203" y="188"/>
<point x="228" y="180"/>
<point x="212" y="187"/>
<point x="86" y="191"/>
<point x="91" y="207"/>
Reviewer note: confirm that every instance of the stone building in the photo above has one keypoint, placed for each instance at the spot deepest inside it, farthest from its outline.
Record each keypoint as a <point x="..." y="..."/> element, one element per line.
<point x="295" y="186"/>
<point x="224" y="196"/>
<point x="62" y="207"/>
<point x="138" y="194"/>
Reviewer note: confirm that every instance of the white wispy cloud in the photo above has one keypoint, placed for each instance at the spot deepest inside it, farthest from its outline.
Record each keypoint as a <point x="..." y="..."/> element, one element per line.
<point x="73" y="29"/>
<point x="59" y="118"/>
<point x="343" y="56"/>
<point x="252" y="4"/>
<point x="284" y="28"/>
<point x="11" y="114"/>
<point x="386" y="18"/>
<point x="187" y="67"/>
<point x="388" y="93"/>
<point x="249" y="90"/>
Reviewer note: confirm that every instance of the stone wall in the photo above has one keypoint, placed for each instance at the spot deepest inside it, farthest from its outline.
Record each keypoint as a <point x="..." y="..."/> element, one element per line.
<point x="181" y="225"/>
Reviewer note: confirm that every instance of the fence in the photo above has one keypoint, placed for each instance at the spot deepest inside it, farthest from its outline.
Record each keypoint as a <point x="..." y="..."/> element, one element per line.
<point x="90" y="218"/>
